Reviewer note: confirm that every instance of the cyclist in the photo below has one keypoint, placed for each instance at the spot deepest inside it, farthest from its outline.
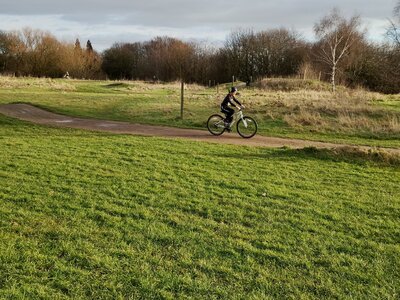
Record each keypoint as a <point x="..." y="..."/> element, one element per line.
<point x="230" y="100"/>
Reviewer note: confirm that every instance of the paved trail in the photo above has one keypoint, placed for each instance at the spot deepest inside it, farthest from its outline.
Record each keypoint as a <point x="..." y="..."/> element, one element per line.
<point x="39" y="116"/>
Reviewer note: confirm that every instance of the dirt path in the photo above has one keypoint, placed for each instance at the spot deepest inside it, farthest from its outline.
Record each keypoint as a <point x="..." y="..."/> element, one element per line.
<point x="36" y="115"/>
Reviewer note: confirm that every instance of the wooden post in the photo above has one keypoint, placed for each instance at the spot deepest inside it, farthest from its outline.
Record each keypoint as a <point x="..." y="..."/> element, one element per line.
<point x="182" y="97"/>
<point x="233" y="80"/>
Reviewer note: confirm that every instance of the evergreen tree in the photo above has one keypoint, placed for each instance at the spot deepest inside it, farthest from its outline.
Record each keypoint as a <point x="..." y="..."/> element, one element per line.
<point x="78" y="45"/>
<point x="89" y="47"/>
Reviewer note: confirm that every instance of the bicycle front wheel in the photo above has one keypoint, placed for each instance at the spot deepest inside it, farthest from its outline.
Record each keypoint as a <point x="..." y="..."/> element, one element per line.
<point x="247" y="127"/>
<point x="215" y="125"/>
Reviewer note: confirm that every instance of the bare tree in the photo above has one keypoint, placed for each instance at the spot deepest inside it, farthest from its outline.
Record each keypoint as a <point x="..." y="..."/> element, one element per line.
<point x="394" y="29"/>
<point x="336" y="35"/>
<point x="4" y="50"/>
<point x="278" y="53"/>
<point x="168" y="58"/>
<point x="122" y="61"/>
<point x="41" y="54"/>
<point x="253" y="55"/>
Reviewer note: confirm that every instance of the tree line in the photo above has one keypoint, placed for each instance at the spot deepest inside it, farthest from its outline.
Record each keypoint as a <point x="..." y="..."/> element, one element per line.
<point x="340" y="54"/>
<point x="37" y="53"/>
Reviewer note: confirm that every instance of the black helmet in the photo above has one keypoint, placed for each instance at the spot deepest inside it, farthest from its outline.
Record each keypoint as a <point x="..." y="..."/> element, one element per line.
<point x="233" y="89"/>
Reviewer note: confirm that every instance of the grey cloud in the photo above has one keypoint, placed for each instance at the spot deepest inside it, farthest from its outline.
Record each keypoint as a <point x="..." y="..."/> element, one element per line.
<point x="180" y="13"/>
<point x="211" y="15"/>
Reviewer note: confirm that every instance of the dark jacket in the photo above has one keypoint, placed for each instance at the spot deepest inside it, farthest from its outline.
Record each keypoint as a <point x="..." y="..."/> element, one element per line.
<point x="228" y="100"/>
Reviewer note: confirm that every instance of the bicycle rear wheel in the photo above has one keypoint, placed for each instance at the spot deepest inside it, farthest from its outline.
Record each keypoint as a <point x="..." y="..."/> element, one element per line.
<point x="247" y="127"/>
<point x="215" y="125"/>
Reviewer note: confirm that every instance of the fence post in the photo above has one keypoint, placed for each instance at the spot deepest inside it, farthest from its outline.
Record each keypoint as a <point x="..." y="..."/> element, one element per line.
<point x="182" y="97"/>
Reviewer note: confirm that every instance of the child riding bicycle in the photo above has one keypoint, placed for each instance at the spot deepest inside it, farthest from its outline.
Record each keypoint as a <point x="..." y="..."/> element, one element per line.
<point x="230" y="100"/>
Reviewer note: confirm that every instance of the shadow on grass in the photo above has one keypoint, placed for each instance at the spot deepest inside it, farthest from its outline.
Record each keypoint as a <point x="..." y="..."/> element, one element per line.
<point x="343" y="154"/>
<point x="353" y="155"/>
<point x="117" y="84"/>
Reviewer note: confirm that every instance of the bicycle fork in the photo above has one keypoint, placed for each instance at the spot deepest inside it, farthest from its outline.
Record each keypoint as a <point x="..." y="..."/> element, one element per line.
<point x="244" y="122"/>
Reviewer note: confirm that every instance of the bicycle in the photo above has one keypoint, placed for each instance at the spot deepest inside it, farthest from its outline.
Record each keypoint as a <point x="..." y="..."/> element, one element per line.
<point x="245" y="126"/>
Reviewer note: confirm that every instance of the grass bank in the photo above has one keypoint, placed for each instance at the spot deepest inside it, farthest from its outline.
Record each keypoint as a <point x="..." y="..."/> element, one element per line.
<point x="284" y="108"/>
<point x="90" y="215"/>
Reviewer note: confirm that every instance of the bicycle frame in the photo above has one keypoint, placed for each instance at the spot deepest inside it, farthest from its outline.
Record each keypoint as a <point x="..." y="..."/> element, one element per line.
<point x="236" y="117"/>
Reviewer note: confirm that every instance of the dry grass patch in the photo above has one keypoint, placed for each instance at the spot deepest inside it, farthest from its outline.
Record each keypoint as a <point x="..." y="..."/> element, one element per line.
<point x="386" y="124"/>
<point x="294" y="84"/>
<point x="347" y="111"/>
<point x="31" y="82"/>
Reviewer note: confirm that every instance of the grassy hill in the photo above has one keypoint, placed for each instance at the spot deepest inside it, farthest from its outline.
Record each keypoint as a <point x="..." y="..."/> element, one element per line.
<point x="283" y="107"/>
<point x="100" y="216"/>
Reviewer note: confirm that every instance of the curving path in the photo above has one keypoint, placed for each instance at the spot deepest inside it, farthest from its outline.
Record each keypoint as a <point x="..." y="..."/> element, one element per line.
<point x="40" y="116"/>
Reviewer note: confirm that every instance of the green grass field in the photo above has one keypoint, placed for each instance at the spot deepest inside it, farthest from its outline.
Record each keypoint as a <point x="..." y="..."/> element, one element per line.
<point x="87" y="215"/>
<point x="101" y="216"/>
<point x="305" y="111"/>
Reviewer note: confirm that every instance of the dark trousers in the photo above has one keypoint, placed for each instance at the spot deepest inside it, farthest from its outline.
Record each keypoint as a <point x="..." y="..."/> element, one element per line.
<point x="228" y="113"/>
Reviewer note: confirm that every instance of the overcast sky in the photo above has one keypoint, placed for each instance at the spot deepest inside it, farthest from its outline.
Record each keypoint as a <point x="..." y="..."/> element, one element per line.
<point x="107" y="21"/>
